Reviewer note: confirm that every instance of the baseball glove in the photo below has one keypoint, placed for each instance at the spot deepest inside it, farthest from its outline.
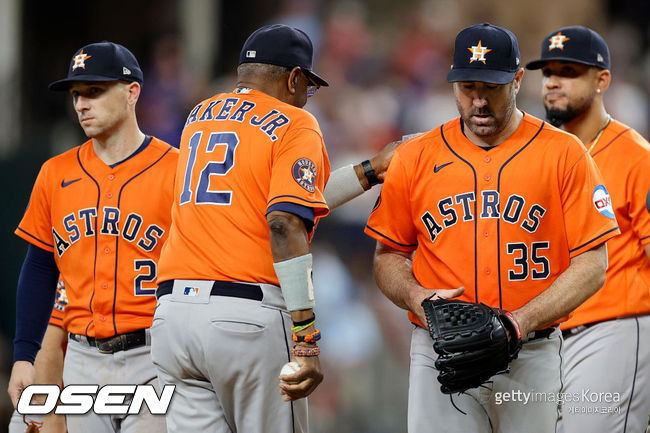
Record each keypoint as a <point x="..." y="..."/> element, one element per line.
<point x="474" y="342"/>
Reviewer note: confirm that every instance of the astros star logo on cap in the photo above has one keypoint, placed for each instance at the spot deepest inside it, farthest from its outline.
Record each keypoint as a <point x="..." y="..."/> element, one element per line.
<point x="478" y="53"/>
<point x="557" y="41"/>
<point x="79" y="60"/>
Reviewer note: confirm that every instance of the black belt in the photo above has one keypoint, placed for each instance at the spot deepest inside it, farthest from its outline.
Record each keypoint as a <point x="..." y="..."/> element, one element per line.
<point x="542" y="333"/>
<point x="117" y="343"/>
<point x="578" y="329"/>
<point x="220" y="288"/>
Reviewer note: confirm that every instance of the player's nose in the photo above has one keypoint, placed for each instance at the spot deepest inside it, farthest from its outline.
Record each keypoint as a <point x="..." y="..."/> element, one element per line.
<point x="479" y="102"/>
<point x="551" y="82"/>
<point x="81" y="103"/>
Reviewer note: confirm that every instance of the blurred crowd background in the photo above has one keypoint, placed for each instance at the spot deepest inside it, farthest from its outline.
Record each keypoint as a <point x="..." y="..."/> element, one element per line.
<point x="386" y="62"/>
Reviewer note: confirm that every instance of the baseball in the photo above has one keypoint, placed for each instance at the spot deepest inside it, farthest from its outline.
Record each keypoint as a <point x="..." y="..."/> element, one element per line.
<point x="289" y="368"/>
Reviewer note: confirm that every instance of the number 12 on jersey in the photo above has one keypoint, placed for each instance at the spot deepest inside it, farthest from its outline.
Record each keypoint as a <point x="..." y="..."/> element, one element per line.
<point x="218" y="168"/>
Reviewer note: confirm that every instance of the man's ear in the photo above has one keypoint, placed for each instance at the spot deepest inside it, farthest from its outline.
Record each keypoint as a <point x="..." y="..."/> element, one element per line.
<point x="292" y="81"/>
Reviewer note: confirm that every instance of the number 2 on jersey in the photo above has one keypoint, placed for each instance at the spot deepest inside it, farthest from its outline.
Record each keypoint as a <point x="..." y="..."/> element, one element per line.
<point x="217" y="168"/>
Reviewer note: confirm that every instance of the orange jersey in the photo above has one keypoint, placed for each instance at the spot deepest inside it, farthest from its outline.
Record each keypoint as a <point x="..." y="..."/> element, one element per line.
<point x="60" y="302"/>
<point x="623" y="157"/>
<point x="503" y="223"/>
<point x="106" y="227"/>
<point x="240" y="154"/>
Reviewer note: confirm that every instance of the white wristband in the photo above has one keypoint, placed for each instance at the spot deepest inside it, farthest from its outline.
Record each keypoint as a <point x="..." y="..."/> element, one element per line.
<point x="342" y="186"/>
<point x="296" y="282"/>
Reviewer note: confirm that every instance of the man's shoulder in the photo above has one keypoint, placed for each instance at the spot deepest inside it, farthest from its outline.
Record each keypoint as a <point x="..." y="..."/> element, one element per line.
<point x="164" y="147"/>
<point x="553" y="137"/>
<point x="626" y="136"/>
<point x="64" y="159"/>
<point x="428" y="139"/>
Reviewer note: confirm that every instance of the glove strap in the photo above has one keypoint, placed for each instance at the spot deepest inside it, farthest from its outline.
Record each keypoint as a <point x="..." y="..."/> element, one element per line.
<point x="515" y="324"/>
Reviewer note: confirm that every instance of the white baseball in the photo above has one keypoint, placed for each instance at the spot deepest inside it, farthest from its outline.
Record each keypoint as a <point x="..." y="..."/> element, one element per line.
<point x="289" y="368"/>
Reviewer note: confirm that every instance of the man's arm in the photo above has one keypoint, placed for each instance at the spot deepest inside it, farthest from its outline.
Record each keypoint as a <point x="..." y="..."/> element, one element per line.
<point x="351" y="181"/>
<point x="289" y="241"/>
<point x="394" y="276"/>
<point x="49" y="370"/>
<point x="34" y="300"/>
<point x="647" y="250"/>
<point x="49" y="361"/>
<point x="584" y="276"/>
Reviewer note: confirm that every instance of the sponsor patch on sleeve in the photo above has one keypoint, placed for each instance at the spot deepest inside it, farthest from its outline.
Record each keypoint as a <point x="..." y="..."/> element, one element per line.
<point x="304" y="173"/>
<point x="603" y="202"/>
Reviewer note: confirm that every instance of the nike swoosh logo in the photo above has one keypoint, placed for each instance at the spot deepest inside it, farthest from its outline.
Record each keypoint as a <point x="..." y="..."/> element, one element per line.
<point x="64" y="183"/>
<point x="437" y="168"/>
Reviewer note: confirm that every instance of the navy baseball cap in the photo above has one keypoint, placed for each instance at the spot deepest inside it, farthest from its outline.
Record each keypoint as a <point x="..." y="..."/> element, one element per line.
<point x="573" y="44"/>
<point x="103" y="61"/>
<point x="281" y="45"/>
<point x="486" y="53"/>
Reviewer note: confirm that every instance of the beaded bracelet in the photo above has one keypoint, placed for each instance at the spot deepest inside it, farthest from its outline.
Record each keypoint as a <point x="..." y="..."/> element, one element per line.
<point x="305" y="351"/>
<point x="309" y="338"/>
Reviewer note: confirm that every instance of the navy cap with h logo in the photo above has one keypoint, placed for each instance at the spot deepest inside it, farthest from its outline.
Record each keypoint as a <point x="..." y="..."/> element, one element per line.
<point x="102" y="61"/>
<point x="281" y="45"/>
<point x="573" y="44"/>
<point x="486" y="53"/>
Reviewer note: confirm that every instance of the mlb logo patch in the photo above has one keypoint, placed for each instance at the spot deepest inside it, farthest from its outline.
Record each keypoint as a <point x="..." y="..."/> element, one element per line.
<point x="191" y="291"/>
<point x="250" y="54"/>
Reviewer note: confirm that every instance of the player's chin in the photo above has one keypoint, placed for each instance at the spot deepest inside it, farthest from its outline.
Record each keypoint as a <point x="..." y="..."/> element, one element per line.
<point x="91" y="130"/>
<point x="483" y="130"/>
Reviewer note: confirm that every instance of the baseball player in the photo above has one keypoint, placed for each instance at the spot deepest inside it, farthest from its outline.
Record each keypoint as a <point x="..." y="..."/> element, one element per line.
<point x="235" y="293"/>
<point x="99" y="213"/>
<point x="485" y="219"/>
<point x="606" y="349"/>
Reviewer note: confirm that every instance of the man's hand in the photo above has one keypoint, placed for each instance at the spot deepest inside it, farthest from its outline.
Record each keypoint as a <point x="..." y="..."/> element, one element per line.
<point x="53" y="424"/>
<point x="415" y="301"/>
<point x="23" y="374"/>
<point x="304" y="381"/>
<point x="381" y="161"/>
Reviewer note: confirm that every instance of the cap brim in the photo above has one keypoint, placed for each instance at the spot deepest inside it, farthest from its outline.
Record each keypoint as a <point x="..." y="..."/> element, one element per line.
<point x="315" y="78"/>
<point x="539" y="64"/>
<point x="482" y="75"/>
<point x="64" y="84"/>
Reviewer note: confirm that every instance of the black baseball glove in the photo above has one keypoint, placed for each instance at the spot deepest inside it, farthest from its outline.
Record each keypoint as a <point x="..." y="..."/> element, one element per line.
<point x="474" y="342"/>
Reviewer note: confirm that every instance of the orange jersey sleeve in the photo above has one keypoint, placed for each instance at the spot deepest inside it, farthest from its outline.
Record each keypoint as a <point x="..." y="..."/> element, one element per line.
<point x="240" y="154"/>
<point x="500" y="222"/>
<point x="106" y="226"/>
<point x="623" y="157"/>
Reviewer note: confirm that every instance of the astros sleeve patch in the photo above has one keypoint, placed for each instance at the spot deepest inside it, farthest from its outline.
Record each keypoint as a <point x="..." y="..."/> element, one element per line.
<point x="300" y="171"/>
